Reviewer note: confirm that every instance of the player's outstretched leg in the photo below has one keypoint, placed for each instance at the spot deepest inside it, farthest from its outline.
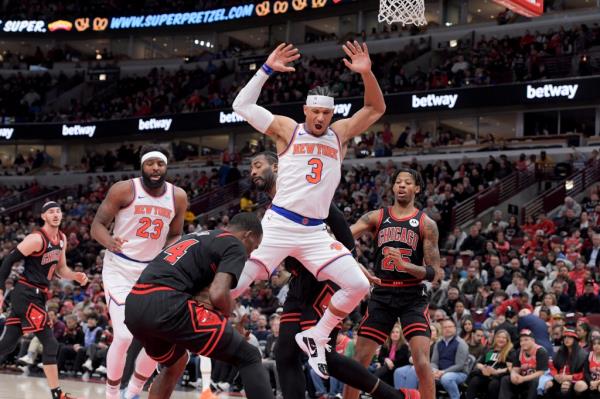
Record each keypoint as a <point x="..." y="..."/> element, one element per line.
<point x="289" y="362"/>
<point x="354" y="286"/>
<point x="115" y="358"/>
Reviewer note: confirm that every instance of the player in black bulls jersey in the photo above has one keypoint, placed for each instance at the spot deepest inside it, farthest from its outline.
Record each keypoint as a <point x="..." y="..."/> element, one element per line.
<point x="162" y="314"/>
<point x="305" y="303"/>
<point x="407" y="253"/>
<point x="44" y="254"/>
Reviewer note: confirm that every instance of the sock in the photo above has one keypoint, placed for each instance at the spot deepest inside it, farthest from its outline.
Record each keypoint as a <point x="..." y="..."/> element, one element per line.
<point x="205" y="371"/>
<point x="56" y="393"/>
<point x="135" y="386"/>
<point x="327" y="323"/>
<point x="112" y="391"/>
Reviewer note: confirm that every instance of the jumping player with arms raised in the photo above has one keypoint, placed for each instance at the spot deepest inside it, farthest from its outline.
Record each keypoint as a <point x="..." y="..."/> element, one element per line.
<point x="148" y="215"/>
<point x="310" y="160"/>
<point x="44" y="254"/>
<point x="305" y="302"/>
<point x="407" y="253"/>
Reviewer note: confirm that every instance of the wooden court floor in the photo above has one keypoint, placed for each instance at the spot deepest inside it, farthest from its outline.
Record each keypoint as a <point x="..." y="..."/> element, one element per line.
<point x="19" y="386"/>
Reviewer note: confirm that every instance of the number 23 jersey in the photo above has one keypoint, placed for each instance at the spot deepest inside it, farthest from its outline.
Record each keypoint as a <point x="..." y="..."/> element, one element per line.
<point x="144" y="223"/>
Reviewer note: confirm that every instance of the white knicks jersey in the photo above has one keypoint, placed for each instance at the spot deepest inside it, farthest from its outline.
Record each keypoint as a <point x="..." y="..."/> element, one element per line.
<point x="308" y="173"/>
<point x="144" y="223"/>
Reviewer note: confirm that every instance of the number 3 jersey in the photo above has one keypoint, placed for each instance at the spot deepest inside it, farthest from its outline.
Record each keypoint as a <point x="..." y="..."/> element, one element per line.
<point x="406" y="235"/>
<point x="40" y="266"/>
<point x="144" y="223"/>
<point x="308" y="173"/>
<point x="191" y="263"/>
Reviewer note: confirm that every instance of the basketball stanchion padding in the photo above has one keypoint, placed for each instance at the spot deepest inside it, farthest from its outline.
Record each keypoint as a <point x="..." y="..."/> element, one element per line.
<point x="406" y="12"/>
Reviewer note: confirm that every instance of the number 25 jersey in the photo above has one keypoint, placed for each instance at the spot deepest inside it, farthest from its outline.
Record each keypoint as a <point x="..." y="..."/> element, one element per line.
<point x="144" y="223"/>
<point x="404" y="234"/>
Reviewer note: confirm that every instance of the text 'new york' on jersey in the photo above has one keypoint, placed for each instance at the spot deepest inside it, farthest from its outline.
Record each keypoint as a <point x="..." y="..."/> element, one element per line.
<point x="40" y="266"/>
<point x="404" y="234"/>
<point x="190" y="264"/>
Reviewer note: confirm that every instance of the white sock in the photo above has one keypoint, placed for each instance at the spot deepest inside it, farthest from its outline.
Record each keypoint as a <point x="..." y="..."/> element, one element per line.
<point x="112" y="391"/>
<point x="134" y="387"/>
<point x="326" y="325"/>
<point x="205" y="370"/>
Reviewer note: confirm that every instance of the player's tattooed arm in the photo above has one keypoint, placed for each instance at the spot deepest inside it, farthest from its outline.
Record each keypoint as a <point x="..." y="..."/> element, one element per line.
<point x="366" y="224"/>
<point x="431" y="253"/>
<point x="118" y="196"/>
<point x="176" y="226"/>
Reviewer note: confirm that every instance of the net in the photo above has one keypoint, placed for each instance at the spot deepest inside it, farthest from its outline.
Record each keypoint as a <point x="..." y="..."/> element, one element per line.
<point x="404" y="11"/>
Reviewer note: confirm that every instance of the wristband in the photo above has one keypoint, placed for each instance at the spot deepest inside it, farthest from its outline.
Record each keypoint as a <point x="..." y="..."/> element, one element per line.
<point x="267" y="69"/>
<point x="429" y="273"/>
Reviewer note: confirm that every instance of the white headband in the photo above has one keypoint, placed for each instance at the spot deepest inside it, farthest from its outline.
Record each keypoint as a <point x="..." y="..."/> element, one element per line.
<point x="154" y="154"/>
<point x="320" y="101"/>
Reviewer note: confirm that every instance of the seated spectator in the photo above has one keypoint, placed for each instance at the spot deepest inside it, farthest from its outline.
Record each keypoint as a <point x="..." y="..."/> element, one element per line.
<point x="591" y="254"/>
<point x="454" y="241"/>
<point x="246" y="203"/>
<point x="567" y="368"/>
<point x="270" y="350"/>
<point x="406" y="376"/>
<point x="589" y="301"/>
<point x="484" y="380"/>
<point x="393" y="353"/>
<point x="569" y="204"/>
<point x="474" y="244"/>
<point x="591" y="372"/>
<point x="69" y="345"/>
<point x="449" y="359"/>
<point x="549" y="303"/>
<point x="531" y="322"/>
<point x="583" y="331"/>
<point x="529" y="364"/>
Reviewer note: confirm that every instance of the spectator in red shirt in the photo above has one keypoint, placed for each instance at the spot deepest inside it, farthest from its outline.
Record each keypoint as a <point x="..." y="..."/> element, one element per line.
<point x="567" y="368"/>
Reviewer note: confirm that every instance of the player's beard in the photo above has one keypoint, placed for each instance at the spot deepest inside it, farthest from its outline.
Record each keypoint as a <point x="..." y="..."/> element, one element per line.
<point x="148" y="182"/>
<point x="268" y="180"/>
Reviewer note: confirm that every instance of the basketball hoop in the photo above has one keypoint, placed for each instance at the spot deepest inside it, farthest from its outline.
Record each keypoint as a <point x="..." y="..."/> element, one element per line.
<point x="404" y="11"/>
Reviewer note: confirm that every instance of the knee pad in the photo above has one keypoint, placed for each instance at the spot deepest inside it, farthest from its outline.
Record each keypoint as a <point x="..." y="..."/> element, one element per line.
<point x="247" y="355"/>
<point x="50" y="351"/>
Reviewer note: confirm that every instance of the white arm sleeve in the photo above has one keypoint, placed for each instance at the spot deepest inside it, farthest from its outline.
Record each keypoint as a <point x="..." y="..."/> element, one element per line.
<point x="245" y="103"/>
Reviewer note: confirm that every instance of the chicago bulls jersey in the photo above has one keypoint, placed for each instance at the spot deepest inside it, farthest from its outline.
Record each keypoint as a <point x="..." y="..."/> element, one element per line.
<point x="40" y="266"/>
<point x="309" y="172"/>
<point x="144" y="223"/>
<point x="528" y="364"/>
<point x="405" y="234"/>
<point x="594" y="366"/>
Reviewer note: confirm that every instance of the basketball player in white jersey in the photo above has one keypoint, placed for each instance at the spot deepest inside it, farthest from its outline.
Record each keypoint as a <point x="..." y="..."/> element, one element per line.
<point x="148" y="215"/>
<point x="310" y="162"/>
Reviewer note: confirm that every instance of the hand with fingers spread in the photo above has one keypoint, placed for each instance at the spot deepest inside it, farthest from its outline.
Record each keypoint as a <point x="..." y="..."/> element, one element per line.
<point x="360" y="62"/>
<point x="281" y="56"/>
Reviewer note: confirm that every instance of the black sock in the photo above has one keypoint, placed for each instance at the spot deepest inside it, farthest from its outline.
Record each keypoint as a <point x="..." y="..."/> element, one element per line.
<point x="56" y="392"/>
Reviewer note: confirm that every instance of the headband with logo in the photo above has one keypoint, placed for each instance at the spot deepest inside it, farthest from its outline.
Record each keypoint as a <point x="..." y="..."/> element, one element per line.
<point x="154" y="154"/>
<point x="320" y="101"/>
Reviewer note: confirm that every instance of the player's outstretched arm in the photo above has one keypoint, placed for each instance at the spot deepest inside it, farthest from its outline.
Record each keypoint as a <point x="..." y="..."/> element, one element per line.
<point x="366" y="224"/>
<point x="31" y="243"/>
<point x="64" y="271"/>
<point x="374" y="102"/>
<point x="118" y="196"/>
<point x="279" y="127"/>
<point x="176" y="226"/>
<point x="431" y="255"/>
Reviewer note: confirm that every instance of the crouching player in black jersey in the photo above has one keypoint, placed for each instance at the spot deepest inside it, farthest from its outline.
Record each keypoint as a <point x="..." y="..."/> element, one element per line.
<point x="162" y="314"/>
<point x="305" y="303"/>
<point x="407" y="254"/>
<point x="44" y="254"/>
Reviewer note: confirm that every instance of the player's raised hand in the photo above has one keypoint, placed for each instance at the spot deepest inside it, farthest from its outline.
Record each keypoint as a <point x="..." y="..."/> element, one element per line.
<point x="281" y="56"/>
<point x="359" y="62"/>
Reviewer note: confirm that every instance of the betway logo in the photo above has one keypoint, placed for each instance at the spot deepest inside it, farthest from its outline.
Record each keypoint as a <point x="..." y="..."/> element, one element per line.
<point x="434" y="100"/>
<point x="153" y="124"/>
<point x="550" y="90"/>
<point x="342" y="109"/>
<point x="78" y="130"/>
<point x="7" y="132"/>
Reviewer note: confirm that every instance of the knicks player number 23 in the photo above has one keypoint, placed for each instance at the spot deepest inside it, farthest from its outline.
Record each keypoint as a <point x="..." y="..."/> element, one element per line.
<point x="146" y="223"/>
<point x="317" y="168"/>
